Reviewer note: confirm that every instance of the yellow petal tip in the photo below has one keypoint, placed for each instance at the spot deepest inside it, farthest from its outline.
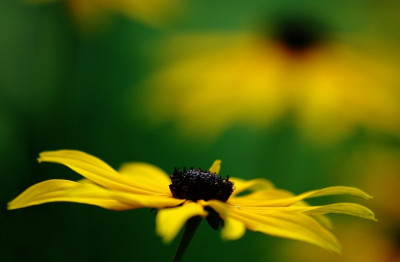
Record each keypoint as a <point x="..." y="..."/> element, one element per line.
<point x="9" y="206"/>
<point x="216" y="166"/>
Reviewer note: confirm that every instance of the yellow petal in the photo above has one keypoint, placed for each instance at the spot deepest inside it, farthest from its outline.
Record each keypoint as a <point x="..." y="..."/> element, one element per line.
<point x="337" y="190"/>
<point x="260" y="196"/>
<point x="58" y="190"/>
<point x="289" y="225"/>
<point x="250" y="185"/>
<point x="340" y="208"/>
<point x="248" y="201"/>
<point x="152" y="201"/>
<point x="95" y="170"/>
<point x="149" y="175"/>
<point x="169" y="221"/>
<point x="216" y="166"/>
<point x="232" y="229"/>
<point x="281" y="223"/>
<point x="324" y="221"/>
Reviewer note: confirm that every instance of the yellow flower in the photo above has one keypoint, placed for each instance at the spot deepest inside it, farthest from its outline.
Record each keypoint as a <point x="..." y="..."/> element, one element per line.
<point x="191" y="193"/>
<point x="90" y="12"/>
<point x="228" y="79"/>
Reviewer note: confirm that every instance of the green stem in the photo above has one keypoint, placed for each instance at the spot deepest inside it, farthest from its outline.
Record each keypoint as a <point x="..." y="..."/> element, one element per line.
<point x="188" y="233"/>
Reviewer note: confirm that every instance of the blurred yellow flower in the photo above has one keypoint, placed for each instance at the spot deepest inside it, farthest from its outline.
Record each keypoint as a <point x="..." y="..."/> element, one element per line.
<point x="89" y="12"/>
<point x="193" y="193"/>
<point x="222" y="80"/>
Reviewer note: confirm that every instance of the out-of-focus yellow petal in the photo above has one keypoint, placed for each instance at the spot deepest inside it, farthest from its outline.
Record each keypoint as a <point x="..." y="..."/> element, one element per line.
<point x="95" y="170"/>
<point x="336" y="190"/>
<point x="58" y="190"/>
<point x="169" y="221"/>
<point x="340" y="208"/>
<point x="251" y="185"/>
<point x="147" y="174"/>
<point x="216" y="166"/>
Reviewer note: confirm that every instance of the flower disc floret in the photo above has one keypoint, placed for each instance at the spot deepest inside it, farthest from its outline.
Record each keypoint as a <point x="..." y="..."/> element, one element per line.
<point x="197" y="184"/>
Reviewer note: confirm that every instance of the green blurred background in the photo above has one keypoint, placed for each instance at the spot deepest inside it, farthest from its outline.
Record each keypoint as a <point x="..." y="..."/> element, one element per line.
<point x="64" y="85"/>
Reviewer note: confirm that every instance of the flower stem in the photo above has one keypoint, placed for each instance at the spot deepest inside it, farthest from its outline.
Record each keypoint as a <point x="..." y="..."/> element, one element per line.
<point x="188" y="233"/>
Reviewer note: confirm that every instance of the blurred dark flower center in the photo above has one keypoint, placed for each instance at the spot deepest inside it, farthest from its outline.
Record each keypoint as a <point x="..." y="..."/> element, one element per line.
<point x="298" y="33"/>
<point x="196" y="184"/>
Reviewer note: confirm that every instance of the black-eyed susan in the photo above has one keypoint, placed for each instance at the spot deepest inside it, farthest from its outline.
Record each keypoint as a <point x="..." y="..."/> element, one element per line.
<point x="331" y="85"/>
<point x="88" y="13"/>
<point x="191" y="194"/>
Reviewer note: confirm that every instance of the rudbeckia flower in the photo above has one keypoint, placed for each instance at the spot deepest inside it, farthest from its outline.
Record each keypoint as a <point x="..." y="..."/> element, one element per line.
<point x="89" y="12"/>
<point x="190" y="193"/>
<point x="329" y="86"/>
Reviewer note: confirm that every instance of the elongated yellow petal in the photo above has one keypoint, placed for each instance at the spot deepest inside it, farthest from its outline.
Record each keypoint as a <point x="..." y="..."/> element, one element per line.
<point x="290" y="225"/>
<point x="149" y="175"/>
<point x="95" y="170"/>
<point x="351" y="209"/>
<point x="337" y="190"/>
<point x="270" y="195"/>
<point x="250" y="185"/>
<point x="58" y="190"/>
<point x="152" y="201"/>
<point x="169" y="221"/>
<point x="281" y="223"/>
<point x="216" y="167"/>
<point x="340" y="208"/>
<point x="324" y="221"/>
<point x="262" y="195"/>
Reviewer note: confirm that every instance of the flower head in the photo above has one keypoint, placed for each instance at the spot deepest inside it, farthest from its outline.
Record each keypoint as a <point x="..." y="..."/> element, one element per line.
<point x="197" y="184"/>
<point x="330" y="88"/>
<point x="191" y="193"/>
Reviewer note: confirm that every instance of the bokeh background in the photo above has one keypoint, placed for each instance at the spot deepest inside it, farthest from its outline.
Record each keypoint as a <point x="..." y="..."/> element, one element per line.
<point x="304" y="93"/>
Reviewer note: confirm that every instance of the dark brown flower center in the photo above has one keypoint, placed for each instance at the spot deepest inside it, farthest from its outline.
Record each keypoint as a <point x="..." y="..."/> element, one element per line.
<point x="298" y="33"/>
<point x="196" y="184"/>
